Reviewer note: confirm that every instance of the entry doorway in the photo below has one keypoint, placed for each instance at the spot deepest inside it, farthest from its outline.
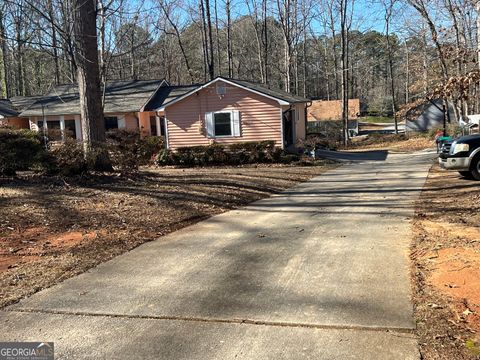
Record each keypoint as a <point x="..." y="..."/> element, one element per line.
<point x="288" y="128"/>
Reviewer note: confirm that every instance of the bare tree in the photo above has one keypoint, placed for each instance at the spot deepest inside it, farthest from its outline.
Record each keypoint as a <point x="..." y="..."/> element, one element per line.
<point x="88" y="75"/>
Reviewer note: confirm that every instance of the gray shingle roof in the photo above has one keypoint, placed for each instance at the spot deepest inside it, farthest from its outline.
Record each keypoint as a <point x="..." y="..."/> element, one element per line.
<point x="14" y="106"/>
<point x="20" y="103"/>
<point x="167" y="94"/>
<point x="7" y="109"/>
<point x="276" y="93"/>
<point x="120" y="97"/>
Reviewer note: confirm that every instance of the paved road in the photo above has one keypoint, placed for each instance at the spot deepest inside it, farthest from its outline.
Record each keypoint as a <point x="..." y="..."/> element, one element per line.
<point x="317" y="272"/>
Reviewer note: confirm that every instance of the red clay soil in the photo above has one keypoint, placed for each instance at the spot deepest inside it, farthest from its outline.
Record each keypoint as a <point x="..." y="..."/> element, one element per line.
<point x="446" y="267"/>
<point x="20" y="247"/>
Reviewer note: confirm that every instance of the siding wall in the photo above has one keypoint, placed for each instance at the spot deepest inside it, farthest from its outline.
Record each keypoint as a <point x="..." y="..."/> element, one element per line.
<point x="259" y="117"/>
<point x="16" y="122"/>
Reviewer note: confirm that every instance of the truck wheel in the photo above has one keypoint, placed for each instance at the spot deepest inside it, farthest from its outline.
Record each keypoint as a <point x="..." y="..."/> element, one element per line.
<point x="475" y="167"/>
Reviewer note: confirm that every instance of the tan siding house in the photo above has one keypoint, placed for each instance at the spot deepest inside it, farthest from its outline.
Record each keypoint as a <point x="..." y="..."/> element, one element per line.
<point x="223" y="111"/>
<point x="227" y="111"/>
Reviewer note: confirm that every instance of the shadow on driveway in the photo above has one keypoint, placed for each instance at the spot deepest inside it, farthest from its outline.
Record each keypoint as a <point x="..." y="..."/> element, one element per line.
<point x="347" y="156"/>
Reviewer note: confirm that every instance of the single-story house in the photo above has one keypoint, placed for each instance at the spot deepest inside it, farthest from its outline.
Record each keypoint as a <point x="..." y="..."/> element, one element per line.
<point x="228" y="111"/>
<point x="222" y="110"/>
<point x="125" y="107"/>
<point x="10" y="110"/>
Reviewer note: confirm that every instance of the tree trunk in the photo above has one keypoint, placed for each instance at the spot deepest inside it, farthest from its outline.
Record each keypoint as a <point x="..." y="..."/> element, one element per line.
<point x="344" y="68"/>
<point x="265" y="41"/>
<point x="388" y="14"/>
<point x="229" y="40"/>
<point x="204" y="41"/>
<point x="211" y="66"/>
<point x="86" y="56"/>
<point x="54" y="42"/>
<point x="219" y="58"/>
<point x="4" y="83"/>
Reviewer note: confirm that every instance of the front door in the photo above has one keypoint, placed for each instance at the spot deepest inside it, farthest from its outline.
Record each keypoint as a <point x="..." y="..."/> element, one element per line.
<point x="288" y="128"/>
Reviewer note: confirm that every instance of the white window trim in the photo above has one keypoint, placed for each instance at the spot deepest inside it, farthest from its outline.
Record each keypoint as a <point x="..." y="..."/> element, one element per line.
<point x="215" y="136"/>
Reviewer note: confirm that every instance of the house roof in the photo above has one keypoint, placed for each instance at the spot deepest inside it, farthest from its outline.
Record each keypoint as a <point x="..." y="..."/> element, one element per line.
<point x="21" y="103"/>
<point x="276" y="93"/>
<point x="137" y="95"/>
<point x="281" y="96"/>
<point x="120" y="97"/>
<point x="167" y="94"/>
<point x="7" y="109"/>
<point x="14" y="106"/>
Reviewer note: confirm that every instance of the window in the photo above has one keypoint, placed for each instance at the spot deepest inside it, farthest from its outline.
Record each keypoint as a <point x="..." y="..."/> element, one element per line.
<point x="53" y="129"/>
<point x="153" y="125"/>
<point x="222" y="124"/>
<point x="70" y="129"/>
<point x="111" y="122"/>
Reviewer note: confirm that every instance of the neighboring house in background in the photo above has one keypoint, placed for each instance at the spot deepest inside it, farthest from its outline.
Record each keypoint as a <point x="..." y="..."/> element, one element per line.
<point x="10" y="110"/>
<point x="427" y="116"/>
<point x="326" y="110"/>
<point x="324" y="116"/>
<point x="222" y="110"/>
<point x="125" y="107"/>
<point x="228" y="111"/>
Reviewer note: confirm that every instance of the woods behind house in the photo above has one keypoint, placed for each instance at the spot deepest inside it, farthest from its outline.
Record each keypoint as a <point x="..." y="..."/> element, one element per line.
<point x="388" y="53"/>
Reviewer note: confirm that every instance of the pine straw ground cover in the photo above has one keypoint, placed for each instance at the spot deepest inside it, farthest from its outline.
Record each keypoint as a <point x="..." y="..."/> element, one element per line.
<point x="446" y="267"/>
<point x="52" y="229"/>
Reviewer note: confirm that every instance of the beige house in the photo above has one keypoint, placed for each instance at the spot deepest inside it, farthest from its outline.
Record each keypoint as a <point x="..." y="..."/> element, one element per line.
<point x="228" y="111"/>
<point x="222" y="110"/>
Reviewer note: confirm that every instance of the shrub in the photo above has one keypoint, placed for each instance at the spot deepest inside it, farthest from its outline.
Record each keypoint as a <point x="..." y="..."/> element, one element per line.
<point x="68" y="159"/>
<point x="219" y="154"/>
<point x="124" y="149"/>
<point x="164" y="157"/>
<point x="20" y="150"/>
<point x="149" y="147"/>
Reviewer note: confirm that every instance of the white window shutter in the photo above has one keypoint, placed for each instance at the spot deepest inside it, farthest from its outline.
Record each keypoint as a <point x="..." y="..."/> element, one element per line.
<point x="236" y="123"/>
<point x="209" y="125"/>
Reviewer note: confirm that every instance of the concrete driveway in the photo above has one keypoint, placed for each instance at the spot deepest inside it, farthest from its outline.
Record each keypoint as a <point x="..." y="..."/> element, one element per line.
<point x="317" y="272"/>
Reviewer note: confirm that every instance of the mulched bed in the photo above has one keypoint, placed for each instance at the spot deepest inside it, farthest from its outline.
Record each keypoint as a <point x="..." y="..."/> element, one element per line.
<point x="53" y="228"/>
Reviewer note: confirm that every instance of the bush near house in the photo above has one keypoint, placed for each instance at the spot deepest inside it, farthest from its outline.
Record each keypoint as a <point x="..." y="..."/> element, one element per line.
<point x="217" y="154"/>
<point x="20" y="150"/>
<point x="30" y="150"/>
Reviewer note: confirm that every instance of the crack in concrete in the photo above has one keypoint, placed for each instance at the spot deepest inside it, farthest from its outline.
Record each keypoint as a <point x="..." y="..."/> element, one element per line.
<point x="403" y="330"/>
